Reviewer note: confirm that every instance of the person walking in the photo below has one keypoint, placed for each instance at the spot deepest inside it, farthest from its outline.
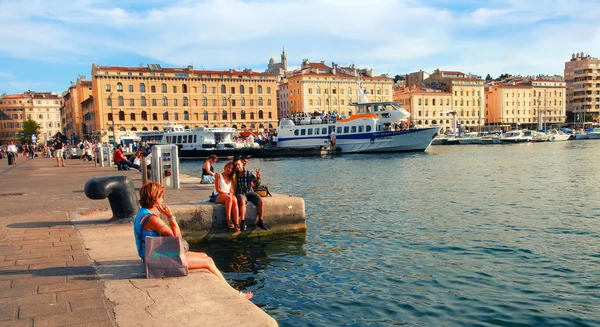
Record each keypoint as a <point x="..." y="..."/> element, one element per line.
<point x="11" y="153"/>
<point x="58" y="152"/>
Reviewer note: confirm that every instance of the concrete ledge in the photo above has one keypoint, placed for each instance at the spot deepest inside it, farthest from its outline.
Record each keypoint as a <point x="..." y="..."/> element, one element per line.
<point x="205" y="221"/>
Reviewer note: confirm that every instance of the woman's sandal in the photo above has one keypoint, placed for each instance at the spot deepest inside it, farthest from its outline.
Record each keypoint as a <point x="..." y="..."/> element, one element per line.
<point x="230" y="224"/>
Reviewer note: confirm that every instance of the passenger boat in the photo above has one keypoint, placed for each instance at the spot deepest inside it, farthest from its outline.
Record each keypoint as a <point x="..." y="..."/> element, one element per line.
<point x="199" y="142"/>
<point x="373" y="127"/>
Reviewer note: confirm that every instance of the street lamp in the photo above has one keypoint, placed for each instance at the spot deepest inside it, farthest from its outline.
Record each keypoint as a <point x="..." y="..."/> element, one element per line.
<point x="230" y="117"/>
<point x="112" y="116"/>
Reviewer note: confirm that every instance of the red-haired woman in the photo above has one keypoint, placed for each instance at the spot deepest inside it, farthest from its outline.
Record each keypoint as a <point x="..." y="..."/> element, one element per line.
<point x="149" y="224"/>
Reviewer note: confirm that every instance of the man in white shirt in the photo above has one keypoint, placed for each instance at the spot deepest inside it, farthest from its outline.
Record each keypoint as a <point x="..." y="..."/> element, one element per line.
<point x="11" y="152"/>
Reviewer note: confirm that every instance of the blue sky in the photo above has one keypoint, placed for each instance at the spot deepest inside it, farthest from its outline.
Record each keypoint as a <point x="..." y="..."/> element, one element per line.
<point x="46" y="44"/>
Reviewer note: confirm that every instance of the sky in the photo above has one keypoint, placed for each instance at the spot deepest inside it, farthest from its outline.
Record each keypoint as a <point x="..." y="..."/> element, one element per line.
<point x="46" y="44"/>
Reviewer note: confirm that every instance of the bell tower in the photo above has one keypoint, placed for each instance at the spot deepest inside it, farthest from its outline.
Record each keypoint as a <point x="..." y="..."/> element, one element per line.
<point x="284" y="59"/>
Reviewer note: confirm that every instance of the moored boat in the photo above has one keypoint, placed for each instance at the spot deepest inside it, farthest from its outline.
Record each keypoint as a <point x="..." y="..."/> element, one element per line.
<point x="373" y="127"/>
<point x="594" y="133"/>
<point x="555" y="135"/>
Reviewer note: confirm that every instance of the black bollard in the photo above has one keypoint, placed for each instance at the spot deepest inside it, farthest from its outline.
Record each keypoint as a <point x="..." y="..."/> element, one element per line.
<point x="120" y="193"/>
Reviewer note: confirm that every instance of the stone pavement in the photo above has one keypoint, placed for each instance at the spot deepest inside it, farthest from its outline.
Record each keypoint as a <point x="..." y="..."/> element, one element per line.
<point x="61" y="264"/>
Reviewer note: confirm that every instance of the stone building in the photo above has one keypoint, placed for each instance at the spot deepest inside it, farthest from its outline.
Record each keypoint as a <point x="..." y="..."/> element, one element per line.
<point x="316" y="87"/>
<point x="582" y="77"/>
<point x="131" y="99"/>
<point x="42" y="107"/>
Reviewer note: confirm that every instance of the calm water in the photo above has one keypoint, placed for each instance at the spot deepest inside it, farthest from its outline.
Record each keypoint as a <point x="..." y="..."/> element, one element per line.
<point x="458" y="236"/>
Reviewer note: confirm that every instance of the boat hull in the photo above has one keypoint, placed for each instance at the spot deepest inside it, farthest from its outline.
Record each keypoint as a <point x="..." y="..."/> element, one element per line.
<point x="593" y="136"/>
<point x="392" y="141"/>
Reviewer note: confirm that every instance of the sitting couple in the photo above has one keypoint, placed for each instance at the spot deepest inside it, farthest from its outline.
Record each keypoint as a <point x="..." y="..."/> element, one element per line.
<point x="235" y="188"/>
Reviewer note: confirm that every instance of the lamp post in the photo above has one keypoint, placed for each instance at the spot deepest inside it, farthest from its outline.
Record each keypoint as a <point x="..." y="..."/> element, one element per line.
<point x="230" y="117"/>
<point x="113" y="117"/>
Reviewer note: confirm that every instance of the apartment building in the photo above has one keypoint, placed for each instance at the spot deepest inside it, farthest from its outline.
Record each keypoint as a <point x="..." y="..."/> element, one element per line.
<point x="467" y="96"/>
<point x="42" y="107"/>
<point x="316" y="87"/>
<point x="72" y="116"/>
<point x="532" y="103"/>
<point x="46" y="112"/>
<point x="130" y="99"/>
<point x="428" y="106"/>
<point x="582" y="77"/>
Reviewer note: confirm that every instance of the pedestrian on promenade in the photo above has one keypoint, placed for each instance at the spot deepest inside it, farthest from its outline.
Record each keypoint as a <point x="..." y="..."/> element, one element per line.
<point x="58" y="152"/>
<point x="147" y="223"/>
<point x="11" y="153"/>
<point x="244" y="190"/>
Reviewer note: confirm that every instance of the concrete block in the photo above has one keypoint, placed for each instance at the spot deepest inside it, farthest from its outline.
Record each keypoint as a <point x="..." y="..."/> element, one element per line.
<point x="205" y="221"/>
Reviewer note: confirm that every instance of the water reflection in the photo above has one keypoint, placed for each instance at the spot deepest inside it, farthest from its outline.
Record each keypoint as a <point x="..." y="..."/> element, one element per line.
<point x="243" y="261"/>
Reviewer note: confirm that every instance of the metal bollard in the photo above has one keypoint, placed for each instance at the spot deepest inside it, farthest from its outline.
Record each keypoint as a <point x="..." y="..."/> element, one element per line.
<point x="144" y="172"/>
<point x="120" y="193"/>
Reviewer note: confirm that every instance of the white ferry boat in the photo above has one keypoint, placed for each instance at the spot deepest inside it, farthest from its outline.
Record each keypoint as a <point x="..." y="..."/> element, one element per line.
<point x="198" y="142"/>
<point x="370" y="129"/>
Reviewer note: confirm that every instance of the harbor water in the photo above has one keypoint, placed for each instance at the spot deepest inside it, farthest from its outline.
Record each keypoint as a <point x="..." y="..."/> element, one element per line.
<point x="480" y="235"/>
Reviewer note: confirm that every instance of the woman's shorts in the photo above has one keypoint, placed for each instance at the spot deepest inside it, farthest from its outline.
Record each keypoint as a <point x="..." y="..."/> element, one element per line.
<point x="208" y="179"/>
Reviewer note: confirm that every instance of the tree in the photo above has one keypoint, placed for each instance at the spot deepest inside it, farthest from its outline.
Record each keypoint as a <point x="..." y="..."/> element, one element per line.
<point x="30" y="127"/>
<point x="503" y="76"/>
<point x="398" y="78"/>
<point x="488" y="77"/>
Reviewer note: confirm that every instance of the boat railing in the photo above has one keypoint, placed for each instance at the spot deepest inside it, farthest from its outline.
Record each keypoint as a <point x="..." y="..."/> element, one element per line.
<point x="314" y="120"/>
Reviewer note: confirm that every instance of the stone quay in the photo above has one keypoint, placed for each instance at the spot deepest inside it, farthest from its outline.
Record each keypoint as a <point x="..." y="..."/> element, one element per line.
<point x="63" y="264"/>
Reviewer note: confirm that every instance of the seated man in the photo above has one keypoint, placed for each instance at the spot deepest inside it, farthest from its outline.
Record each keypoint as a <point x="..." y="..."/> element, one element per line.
<point x="121" y="160"/>
<point x="245" y="192"/>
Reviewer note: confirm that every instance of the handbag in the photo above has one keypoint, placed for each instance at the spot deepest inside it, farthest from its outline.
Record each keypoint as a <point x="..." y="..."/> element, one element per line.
<point x="213" y="197"/>
<point x="165" y="257"/>
<point x="262" y="190"/>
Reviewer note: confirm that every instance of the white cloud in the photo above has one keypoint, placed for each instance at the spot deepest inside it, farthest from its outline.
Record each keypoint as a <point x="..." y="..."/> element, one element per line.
<point x="498" y="36"/>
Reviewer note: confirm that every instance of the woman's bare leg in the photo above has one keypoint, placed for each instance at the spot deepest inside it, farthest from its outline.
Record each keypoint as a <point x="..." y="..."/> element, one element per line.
<point x="199" y="260"/>
<point x="226" y="200"/>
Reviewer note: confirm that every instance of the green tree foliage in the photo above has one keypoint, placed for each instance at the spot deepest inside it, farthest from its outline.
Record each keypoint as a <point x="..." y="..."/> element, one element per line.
<point x="398" y="78"/>
<point x="503" y="76"/>
<point x="30" y="127"/>
<point x="488" y="77"/>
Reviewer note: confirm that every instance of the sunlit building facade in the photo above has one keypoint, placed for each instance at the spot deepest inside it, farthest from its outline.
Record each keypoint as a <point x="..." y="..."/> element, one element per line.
<point x="316" y="87"/>
<point x="131" y="99"/>
<point x="41" y="107"/>
<point x="428" y="106"/>
<point x="71" y="111"/>
<point x="467" y="96"/>
<point x="582" y="77"/>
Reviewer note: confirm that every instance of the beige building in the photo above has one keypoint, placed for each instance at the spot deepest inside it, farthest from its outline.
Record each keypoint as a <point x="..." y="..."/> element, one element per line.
<point x="42" y="107"/>
<point x="72" y="116"/>
<point x="46" y="112"/>
<point x="131" y="99"/>
<point x="582" y="77"/>
<point x="316" y="87"/>
<point x="282" y="100"/>
<point x="467" y="96"/>
<point x="428" y="106"/>
<point x="526" y="103"/>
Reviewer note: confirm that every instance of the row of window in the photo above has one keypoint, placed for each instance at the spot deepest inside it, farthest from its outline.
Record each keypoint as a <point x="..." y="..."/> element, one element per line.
<point x="460" y="114"/>
<point x="329" y="129"/>
<point x="155" y="128"/>
<point x="184" y="88"/>
<point x="334" y="91"/>
<point x="221" y="76"/>
<point x="466" y="93"/>
<point x="186" y="116"/>
<point x="186" y="102"/>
